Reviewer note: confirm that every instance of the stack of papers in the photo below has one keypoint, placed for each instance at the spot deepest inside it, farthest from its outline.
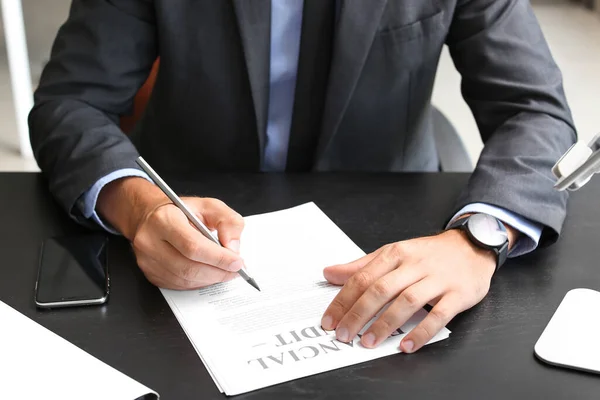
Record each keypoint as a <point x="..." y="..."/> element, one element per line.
<point x="248" y="339"/>
<point x="38" y="364"/>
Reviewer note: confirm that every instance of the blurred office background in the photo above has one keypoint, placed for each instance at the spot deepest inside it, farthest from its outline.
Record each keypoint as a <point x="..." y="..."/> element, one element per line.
<point x="572" y="28"/>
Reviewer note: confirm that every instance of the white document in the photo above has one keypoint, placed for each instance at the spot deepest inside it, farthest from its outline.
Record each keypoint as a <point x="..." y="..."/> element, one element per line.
<point x="35" y="363"/>
<point x="249" y="339"/>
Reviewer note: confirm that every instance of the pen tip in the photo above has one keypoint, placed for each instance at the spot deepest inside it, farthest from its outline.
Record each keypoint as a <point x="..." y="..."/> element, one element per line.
<point x="254" y="284"/>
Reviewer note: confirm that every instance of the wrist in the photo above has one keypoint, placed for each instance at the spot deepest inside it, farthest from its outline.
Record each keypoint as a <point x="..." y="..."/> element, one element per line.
<point x="487" y="257"/>
<point x="125" y="202"/>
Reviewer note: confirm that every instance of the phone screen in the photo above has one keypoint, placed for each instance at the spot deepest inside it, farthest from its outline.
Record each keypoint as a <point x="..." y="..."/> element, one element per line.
<point x="73" y="271"/>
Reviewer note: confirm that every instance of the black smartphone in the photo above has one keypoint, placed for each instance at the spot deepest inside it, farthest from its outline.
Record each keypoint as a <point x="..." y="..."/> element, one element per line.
<point x="73" y="271"/>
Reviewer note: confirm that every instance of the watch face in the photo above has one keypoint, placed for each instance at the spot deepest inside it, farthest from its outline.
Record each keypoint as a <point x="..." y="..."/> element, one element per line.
<point x="487" y="230"/>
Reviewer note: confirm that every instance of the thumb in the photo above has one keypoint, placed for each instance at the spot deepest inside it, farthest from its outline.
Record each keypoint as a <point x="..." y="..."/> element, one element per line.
<point x="230" y="230"/>
<point x="339" y="274"/>
<point x="228" y="223"/>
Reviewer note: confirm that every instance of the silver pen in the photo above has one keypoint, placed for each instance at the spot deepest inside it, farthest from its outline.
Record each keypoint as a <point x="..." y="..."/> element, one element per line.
<point x="193" y="219"/>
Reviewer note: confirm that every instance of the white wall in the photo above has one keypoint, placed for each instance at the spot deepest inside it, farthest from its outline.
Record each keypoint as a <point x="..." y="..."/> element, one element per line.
<point x="572" y="33"/>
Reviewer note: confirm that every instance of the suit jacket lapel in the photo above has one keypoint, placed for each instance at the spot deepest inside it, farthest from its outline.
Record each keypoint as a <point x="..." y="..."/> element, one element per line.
<point x="254" y="20"/>
<point x="356" y="27"/>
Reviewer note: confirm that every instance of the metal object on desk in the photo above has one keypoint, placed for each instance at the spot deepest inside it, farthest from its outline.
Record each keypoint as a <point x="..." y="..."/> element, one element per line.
<point x="577" y="166"/>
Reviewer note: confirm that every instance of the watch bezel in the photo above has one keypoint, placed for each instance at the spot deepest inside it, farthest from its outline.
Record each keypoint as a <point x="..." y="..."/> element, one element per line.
<point x="501" y="250"/>
<point x="472" y="228"/>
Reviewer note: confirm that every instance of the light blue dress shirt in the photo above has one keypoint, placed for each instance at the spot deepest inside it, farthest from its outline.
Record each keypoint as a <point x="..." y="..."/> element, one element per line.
<point x="286" y="23"/>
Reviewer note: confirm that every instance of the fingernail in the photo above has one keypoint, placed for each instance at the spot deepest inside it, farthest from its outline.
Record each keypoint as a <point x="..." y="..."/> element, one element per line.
<point x="327" y="323"/>
<point x="407" y="346"/>
<point x="236" y="265"/>
<point x="234" y="245"/>
<point x="342" y="334"/>
<point x="368" y="340"/>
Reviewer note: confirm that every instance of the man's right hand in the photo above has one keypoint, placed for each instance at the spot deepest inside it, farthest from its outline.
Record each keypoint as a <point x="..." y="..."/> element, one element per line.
<point x="169" y="250"/>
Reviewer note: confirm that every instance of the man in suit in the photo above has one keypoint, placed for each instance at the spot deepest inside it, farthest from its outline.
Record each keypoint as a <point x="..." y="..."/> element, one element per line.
<point x="313" y="85"/>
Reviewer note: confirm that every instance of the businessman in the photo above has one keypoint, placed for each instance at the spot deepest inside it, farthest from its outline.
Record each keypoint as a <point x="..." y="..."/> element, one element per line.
<point x="313" y="85"/>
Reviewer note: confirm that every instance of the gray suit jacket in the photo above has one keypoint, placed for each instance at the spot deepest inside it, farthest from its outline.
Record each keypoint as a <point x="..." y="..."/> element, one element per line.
<point x="208" y="110"/>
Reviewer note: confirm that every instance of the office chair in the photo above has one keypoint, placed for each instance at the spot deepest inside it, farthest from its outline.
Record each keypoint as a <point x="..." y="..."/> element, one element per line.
<point x="451" y="150"/>
<point x="127" y="122"/>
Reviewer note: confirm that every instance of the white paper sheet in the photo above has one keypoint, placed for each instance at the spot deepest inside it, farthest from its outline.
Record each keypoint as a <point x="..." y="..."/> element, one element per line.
<point x="35" y="363"/>
<point x="249" y="339"/>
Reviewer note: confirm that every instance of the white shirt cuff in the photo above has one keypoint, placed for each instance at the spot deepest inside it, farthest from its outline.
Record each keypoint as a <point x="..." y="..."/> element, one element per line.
<point x="531" y="231"/>
<point x="89" y="198"/>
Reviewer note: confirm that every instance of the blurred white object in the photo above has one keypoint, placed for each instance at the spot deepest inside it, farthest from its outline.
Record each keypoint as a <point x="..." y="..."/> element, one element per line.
<point x="571" y="337"/>
<point x="38" y="364"/>
<point x="18" y="63"/>
<point x="577" y="166"/>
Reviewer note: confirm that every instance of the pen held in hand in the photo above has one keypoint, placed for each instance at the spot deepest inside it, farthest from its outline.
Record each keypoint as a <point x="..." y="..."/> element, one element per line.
<point x="189" y="214"/>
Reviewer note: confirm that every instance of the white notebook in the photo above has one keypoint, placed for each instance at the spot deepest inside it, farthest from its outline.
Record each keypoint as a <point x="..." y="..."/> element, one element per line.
<point x="35" y="363"/>
<point x="572" y="337"/>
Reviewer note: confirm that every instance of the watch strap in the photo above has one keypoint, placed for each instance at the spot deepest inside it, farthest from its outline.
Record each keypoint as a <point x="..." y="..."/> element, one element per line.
<point x="502" y="255"/>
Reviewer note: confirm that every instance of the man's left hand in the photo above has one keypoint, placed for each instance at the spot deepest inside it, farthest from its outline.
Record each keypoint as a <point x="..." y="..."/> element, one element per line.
<point x="446" y="271"/>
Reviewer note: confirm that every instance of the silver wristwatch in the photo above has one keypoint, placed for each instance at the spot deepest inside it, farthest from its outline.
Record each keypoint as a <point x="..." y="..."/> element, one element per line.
<point x="486" y="232"/>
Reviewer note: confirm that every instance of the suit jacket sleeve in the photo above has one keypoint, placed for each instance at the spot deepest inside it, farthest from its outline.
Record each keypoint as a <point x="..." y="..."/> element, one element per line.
<point x="514" y="90"/>
<point x="100" y="58"/>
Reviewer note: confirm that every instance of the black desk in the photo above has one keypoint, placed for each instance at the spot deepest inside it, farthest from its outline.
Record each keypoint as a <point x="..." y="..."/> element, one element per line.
<point x="489" y="354"/>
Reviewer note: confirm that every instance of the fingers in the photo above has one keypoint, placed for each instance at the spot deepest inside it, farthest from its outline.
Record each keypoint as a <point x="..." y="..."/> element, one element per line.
<point x="170" y="270"/>
<point x="174" y="254"/>
<point x="219" y="216"/>
<point x="411" y="300"/>
<point x="339" y="274"/>
<point x="174" y="228"/>
<point x="446" y="309"/>
<point x="176" y="283"/>
<point x="385" y="261"/>
<point x="444" y="270"/>
<point x="381" y="292"/>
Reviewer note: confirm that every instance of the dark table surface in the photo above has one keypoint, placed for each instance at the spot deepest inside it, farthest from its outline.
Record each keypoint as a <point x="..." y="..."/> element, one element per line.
<point x="488" y="355"/>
